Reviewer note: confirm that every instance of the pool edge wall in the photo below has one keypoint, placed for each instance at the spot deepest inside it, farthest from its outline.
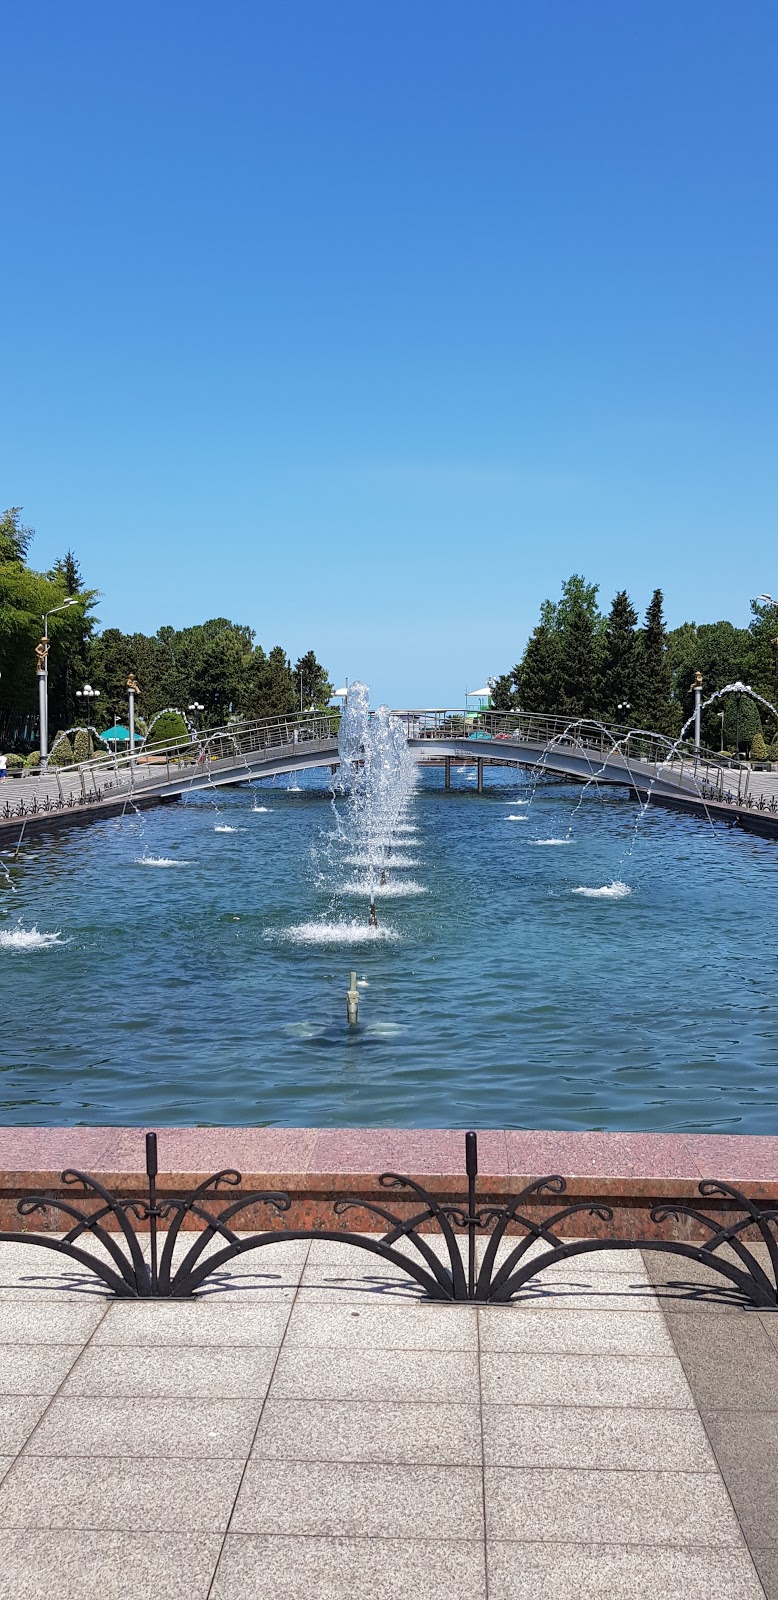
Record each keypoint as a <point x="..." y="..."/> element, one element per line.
<point x="624" y="1173"/>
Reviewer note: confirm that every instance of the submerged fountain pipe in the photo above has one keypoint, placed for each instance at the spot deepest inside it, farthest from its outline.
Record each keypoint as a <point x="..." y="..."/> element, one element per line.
<point x="352" y="1002"/>
<point x="373" y="919"/>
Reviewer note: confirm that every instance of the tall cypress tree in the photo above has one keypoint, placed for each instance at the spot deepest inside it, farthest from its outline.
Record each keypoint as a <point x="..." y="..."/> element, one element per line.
<point x="653" y="686"/>
<point x="618" y="683"/>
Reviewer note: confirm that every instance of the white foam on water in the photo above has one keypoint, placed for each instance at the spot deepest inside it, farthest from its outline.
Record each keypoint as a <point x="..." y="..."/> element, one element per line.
<point x="362" y="983"/>
<point x="516" y="802"/>
<point x="551" y="841"/>
<point x="223" y="827"/>
<point x="262" y="808"/>
<point x="303" y="1030"/>
<point x="609" y="891"/>
<point x="386" y="891"/>
<point x="518" y="818"/>
<point x="338" y="933"/>
<point x="382" y="861"/>
<point x="384" y="1030"/>
<point x="160" y="861"/>
<point x="405" y="827"/>
<point x="20" y="938"/>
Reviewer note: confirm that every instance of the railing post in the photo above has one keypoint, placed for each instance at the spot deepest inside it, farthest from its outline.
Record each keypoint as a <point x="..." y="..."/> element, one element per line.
<point x="471" y="1168"/>
<point x="151" y="1173"/>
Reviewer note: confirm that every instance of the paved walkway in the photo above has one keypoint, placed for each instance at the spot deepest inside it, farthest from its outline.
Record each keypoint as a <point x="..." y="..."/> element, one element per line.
<point x="312" y="1429"/>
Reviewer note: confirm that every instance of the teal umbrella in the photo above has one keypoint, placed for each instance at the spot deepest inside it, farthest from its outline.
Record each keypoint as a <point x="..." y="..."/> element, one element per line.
<point x="119" y="735"/>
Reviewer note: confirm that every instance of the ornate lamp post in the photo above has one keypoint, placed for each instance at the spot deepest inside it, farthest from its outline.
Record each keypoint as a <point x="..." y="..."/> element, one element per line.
<point x="89" y="695"/>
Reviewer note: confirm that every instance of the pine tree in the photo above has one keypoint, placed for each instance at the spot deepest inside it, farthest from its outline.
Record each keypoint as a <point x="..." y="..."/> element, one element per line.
<point x="538" y="675"/>
<point x="67" y="571"/>
<point x="620" y="661"/>
<point x="504" y="695"/>
<point x="578" y="664"/>
<point x="653" y="708"/>
<point x="312" y="686"/>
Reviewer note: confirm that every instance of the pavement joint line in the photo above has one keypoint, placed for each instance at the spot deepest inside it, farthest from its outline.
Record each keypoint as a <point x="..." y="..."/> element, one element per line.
<point x="58" y="1390"/>
<point x="249" y="1453"/>
<point x="700" y="1410"/>
<point x="483" y="1459"/>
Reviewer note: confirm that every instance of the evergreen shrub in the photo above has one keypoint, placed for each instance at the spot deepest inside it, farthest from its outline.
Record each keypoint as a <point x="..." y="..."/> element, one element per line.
<point x="61" y="752"/>
<point x="171" y="725"/>
<point x="758" y="748"/>
<point x="82" y="745"/>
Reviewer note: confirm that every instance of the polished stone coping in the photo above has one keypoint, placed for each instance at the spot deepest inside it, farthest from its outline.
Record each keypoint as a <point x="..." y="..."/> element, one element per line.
<point x="327" y="1157"/>
<point x="615" y="1177"/>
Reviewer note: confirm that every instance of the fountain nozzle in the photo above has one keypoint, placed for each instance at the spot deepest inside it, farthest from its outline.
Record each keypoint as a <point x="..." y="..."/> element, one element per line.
<point x="373" y="919"/>
<point x="352" y="1002"/>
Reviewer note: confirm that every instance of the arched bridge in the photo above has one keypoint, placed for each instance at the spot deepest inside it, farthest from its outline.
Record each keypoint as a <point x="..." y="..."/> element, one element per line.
<point x="273" y="747"/>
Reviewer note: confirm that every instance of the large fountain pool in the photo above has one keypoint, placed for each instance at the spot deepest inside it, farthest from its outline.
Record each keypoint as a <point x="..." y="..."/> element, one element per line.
<point x="190" y="967"/>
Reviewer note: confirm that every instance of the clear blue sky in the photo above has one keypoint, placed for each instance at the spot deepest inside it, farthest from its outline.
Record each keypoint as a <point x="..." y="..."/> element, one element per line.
<point x="366" y="324"/>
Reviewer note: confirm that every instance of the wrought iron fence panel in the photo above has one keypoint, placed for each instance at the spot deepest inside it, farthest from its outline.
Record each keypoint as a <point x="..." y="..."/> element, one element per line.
<point x="446" y="1275"/>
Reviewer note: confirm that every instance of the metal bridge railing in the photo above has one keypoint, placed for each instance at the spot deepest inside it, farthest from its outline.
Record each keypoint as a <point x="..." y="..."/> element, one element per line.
<point x="686" y="767"/>
<point x="233" y="746"/>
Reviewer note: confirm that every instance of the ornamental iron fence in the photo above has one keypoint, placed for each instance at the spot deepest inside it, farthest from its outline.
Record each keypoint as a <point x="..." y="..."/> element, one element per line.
<point x="449" y="1275"/>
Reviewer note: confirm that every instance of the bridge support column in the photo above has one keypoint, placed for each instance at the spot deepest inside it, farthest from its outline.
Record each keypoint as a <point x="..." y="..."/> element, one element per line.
<point x="447" y="772"/>
<point x="480" y="766"/>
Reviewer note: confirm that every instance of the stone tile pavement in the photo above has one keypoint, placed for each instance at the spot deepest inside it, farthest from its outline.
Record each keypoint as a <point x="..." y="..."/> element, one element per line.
<point x="314" y="1429"/>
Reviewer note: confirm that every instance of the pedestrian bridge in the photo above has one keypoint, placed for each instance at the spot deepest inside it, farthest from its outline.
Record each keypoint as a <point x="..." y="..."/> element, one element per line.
<point x="246" y="752"/>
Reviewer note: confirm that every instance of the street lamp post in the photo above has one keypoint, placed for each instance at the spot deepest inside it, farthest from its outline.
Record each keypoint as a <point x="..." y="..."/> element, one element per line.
<point x="721" y="715"/>
<point x="89" y="695"/>
<point x="43" y="676"/>
<point x="195" y="706"/>
<point x="132" y="690"/>
<point x="697" y="687"/>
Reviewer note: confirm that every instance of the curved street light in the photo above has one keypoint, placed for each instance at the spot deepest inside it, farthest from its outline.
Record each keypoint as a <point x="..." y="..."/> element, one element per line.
<point x="43" y="677"/>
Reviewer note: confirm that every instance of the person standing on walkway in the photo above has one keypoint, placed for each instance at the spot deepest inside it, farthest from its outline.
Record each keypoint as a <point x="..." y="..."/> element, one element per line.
<point x="3" y="766"/>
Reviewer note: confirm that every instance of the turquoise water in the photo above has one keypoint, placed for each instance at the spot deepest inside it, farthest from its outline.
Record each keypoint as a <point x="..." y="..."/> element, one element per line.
<point x="496" y="996"/>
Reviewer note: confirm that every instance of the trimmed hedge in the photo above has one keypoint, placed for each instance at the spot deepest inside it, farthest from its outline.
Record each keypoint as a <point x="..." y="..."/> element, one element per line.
<point x="61" y="752"/>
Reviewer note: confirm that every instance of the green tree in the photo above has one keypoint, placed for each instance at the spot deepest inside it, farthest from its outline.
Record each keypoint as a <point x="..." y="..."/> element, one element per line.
<point x="24" y="598"/>
<point x="720" y="652"/>
<point x="653" y="707"/>
<point x="579" y="626"/>
<point x="61" y="751"/>
<point x="169" y="725"/>
<point x="761" y="656"/>
<point x="270" y="685"/>
<point x="83" y="747"/>
<point x="619" y="661"/>
<point x="67" y="572"/>
<point x="505" y="696"/>
<point x="539" y="672"/>
<point x="15" y="539"/>
<point x="312" y="687"/>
